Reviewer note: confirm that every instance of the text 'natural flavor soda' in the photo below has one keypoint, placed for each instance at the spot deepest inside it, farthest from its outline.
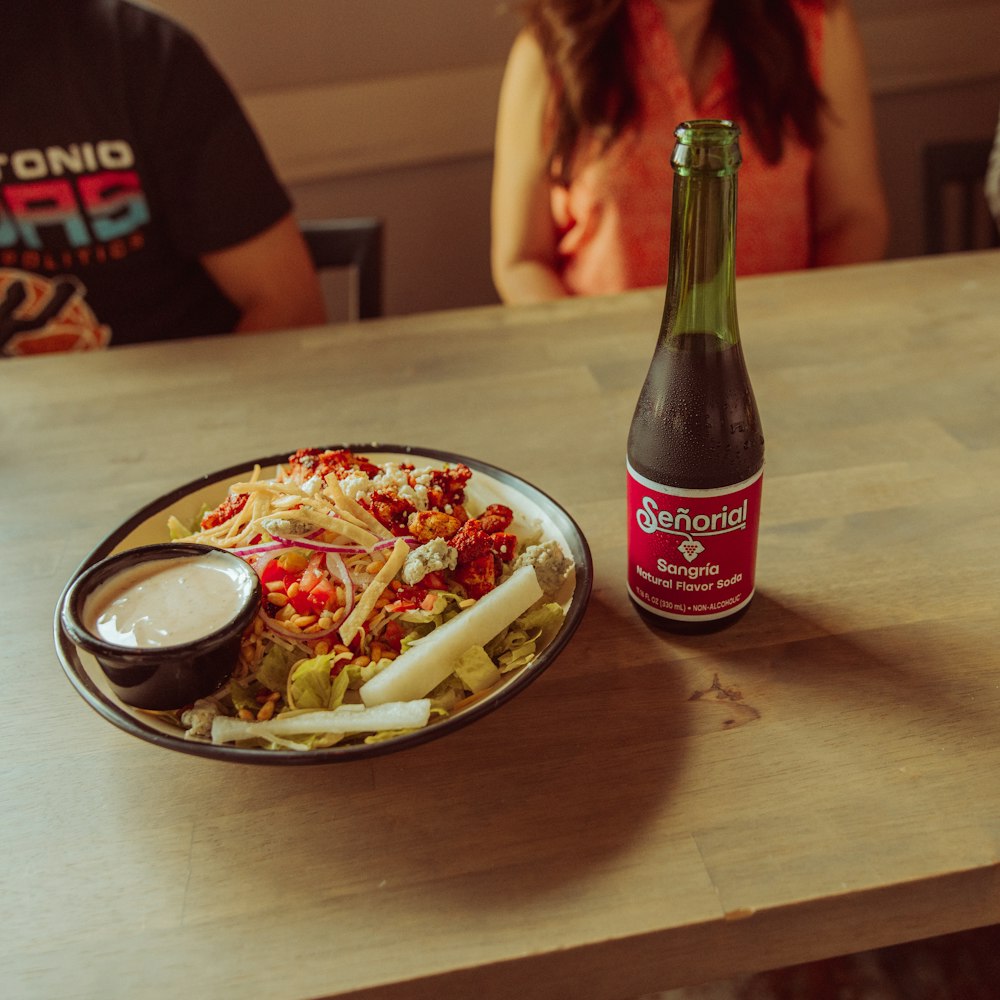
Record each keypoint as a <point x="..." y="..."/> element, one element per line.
<point x="695" y="448"/>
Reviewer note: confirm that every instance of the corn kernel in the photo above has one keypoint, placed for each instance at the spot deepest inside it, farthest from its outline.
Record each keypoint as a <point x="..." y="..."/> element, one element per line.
<point x="293" y="561"/>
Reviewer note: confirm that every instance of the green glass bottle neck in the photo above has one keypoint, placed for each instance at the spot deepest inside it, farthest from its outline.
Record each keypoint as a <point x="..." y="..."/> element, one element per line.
<point x="701" y="283"/>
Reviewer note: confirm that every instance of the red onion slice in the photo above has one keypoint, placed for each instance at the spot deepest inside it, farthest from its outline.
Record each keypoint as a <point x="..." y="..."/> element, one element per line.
<point x="338" y="569"/>
<point x="249" y="551"/>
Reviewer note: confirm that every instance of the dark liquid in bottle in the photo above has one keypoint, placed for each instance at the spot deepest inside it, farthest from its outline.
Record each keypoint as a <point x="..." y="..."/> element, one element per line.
<point x="696" y="426"/>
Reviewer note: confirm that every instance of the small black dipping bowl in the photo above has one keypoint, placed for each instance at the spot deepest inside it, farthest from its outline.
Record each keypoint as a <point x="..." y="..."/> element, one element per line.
<point x="165" y="677"/>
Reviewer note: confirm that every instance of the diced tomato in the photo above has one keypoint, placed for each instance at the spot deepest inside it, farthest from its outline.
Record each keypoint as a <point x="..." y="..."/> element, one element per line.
<point x="301" y="603"/>
<point x="400" y="606"/>
<point x="272" y="573"/>
<point x="434" y="581"/>
<point x="314" y="591"/>
<point x="409" y="598"/>
<point x="322" y="595"/>
<point x="393" y="635"/>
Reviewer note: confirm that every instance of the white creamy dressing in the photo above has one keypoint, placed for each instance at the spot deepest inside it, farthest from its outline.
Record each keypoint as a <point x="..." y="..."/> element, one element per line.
<point x="167" y="602"/>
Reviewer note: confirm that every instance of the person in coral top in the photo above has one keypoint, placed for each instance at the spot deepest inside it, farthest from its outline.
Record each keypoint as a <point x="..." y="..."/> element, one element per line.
<point x="591" y="96"/>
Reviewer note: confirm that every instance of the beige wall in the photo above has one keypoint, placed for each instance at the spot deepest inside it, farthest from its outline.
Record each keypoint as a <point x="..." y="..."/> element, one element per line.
<point x="387" y="107"/>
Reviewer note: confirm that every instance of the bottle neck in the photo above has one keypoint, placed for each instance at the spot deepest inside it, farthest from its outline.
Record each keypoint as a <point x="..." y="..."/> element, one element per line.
<point x="701" y="285"/>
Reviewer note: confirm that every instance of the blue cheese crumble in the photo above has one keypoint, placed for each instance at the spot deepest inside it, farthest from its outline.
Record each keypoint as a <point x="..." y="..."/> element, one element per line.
<point x="431" y="557"/>
<point x="552" y="565"/>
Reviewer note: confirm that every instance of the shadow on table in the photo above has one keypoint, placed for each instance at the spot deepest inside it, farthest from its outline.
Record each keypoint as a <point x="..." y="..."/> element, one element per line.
<point x="582" y="759"/>
<point x="922" y="667"/>
<point x="536" y="799"/>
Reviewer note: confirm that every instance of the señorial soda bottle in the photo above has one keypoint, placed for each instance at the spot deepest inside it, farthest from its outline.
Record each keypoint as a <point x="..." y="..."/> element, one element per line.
<point x="695" y="448"/>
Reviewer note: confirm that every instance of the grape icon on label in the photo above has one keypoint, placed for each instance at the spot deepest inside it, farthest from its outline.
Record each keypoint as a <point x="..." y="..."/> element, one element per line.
<point x="691" y="548"/>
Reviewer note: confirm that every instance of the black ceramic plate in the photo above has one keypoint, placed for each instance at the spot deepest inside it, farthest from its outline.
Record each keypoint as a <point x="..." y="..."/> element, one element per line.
<point x="488" y="485"/>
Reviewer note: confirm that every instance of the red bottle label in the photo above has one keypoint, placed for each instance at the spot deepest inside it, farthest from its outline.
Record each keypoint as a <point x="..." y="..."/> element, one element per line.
<point x="692" y="553"/>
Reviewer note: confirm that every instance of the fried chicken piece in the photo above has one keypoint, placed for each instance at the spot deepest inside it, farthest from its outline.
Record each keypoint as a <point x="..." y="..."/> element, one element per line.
<point x="471" y="542"/>
<point x="390" y="509"/>
<point x="427" y="524"/>
<point x="232" y="505"/>
<point x="495" y="518"/>
<point x="479" y="576"/>
<point x="309" y="462"/>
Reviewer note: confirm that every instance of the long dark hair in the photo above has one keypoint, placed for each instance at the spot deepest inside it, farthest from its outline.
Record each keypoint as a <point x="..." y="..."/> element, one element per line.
<point x="588" y="47"/>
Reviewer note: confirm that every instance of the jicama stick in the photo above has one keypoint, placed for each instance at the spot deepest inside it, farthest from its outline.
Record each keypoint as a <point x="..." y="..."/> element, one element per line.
<point x="346" y="719"/>
<point x="431" y="659"/>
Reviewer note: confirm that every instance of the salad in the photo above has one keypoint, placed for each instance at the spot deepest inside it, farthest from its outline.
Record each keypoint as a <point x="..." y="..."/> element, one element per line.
<point x="388" y="602"/>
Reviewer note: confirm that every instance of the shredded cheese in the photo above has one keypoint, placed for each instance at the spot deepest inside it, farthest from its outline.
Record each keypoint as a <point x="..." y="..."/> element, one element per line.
<point x="350" y="506"/>
<point x="352" y="624"/>
<point x="338" y="525"/>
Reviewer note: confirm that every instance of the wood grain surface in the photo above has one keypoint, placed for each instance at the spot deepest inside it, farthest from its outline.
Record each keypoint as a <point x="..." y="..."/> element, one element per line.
<point x="653" y="811"/>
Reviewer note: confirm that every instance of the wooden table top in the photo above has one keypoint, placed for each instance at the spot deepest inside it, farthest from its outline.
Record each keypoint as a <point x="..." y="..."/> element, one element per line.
<point x="653" y="811"/>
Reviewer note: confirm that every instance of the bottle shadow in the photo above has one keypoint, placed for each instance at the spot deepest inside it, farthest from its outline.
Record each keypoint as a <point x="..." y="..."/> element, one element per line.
<point x="907" y="667"/>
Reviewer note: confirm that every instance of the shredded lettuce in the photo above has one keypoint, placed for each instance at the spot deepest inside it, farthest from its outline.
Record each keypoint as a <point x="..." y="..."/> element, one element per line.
<point x="516" y="646"/>
<point x="243" y="696"/>
<point x="447" y="694"/>
<point x="420" y="621"/>
<point x="315" y="684"/>
<point x="312" y="683"/>
<point x="274" y="667"/>
<point x="178" y="529"/>
<point x="545" y="617"/>
<point x="476" y="670"/>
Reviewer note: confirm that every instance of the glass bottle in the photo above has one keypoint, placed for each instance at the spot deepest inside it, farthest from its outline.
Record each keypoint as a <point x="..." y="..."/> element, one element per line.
<point x="695" y="453"/>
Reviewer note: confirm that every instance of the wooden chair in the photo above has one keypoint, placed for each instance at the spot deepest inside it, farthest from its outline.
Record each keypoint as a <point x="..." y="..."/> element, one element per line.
<point x="954" y="173"/>
<point x="354" y="245"/>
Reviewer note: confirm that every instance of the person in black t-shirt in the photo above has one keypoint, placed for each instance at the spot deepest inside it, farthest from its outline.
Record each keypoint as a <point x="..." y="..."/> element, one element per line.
<point x="136" y="202"/>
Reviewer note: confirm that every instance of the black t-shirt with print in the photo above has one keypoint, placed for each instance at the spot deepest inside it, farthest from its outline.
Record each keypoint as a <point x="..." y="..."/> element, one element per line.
<point x="124" y="156"/>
